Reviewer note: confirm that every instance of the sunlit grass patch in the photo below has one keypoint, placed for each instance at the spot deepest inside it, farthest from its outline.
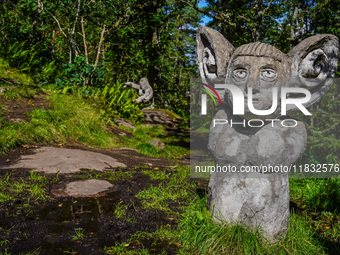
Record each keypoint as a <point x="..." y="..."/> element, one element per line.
<point x="32" y="188"/>
<point x="156" y="174"/>
<point x="22" y="91"/>
<point x="201" y="235"/>
<point x="175" y="146"/>
<point x="178" y="188"/>
<point x="71" y="119"/>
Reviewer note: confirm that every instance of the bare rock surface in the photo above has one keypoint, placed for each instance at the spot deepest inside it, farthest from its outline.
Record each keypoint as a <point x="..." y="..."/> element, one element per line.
<point x="125" y="123"/>
<point x="86" y="188"/>
<point x="157" y="143"/>
<point x="51" y="160"/>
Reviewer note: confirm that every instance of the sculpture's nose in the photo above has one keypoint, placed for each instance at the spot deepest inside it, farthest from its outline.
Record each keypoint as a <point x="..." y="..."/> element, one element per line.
<point x="254" y="81"/>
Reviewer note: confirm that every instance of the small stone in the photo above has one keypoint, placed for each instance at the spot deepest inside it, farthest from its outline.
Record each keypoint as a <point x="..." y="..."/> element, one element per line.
<point x="157" y="143"/>
<point x="8" y="160"/>
<point x="125" y="123"/>
<point x="16" y="120"/>
<point x="87" y="188"/>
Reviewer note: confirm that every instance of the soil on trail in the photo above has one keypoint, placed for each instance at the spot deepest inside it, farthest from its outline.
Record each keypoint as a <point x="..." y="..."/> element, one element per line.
<point x="53" y="227"/>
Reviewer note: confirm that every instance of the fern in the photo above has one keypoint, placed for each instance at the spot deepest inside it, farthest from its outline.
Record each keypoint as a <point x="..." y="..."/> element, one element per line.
<point x="117" y="102"/>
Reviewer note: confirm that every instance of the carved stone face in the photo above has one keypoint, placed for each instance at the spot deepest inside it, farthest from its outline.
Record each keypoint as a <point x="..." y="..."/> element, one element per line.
<point x="259" y="73"/>
<point x="311" y="65"/>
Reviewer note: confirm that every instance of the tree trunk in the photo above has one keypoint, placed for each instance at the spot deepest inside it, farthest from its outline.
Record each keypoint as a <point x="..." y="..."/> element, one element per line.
<point x="84" y="39"/>
<point x="293" y="26"/>
<point x="100" y="45"/>
<point x="257" y="31"/>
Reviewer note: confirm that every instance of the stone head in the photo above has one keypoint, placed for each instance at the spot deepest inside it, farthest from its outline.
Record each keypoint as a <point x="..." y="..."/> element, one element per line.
<point x="144" y="83"/>
<point x="311" y="65"/>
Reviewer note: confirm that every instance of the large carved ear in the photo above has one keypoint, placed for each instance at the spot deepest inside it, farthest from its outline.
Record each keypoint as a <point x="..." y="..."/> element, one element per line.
<point x="213" y="53"/>
<point x="314" y="63"/>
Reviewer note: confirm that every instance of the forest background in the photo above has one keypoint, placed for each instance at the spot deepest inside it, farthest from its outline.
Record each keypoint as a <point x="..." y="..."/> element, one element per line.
<point x="92" y="47"/>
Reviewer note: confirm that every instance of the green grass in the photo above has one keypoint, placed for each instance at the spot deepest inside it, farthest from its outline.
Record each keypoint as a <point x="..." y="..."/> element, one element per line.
<point x="176" y="189"/>
<point x="197" y="233"/>
<point x="79" y="235"/>
<point x="317" y="194"/>
<point x="12" y="73"/>
<point x="320" y="199"/>
<point x="125" y="249"/>
<point x="75" y="120"/>
<point x="117" y="174"/>
<point x="72" y="119"/>
<point x="22" y="91"/>
<point x="200" y="235"/>
<point x="120" y="211"/>
<point x="175" y="146"/>
<point x="156" y="174"/>
<point x="32" y="188"/>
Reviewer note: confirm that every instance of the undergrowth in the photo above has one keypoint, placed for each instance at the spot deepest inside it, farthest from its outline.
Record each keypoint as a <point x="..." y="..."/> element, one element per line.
<point x="11" y="73"/>
<point x="72" y="119"/>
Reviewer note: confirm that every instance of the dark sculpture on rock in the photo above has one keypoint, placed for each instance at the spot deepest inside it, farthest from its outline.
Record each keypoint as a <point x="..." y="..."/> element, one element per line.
<point x="144" y="90"/>
<point x="254" y="198"/>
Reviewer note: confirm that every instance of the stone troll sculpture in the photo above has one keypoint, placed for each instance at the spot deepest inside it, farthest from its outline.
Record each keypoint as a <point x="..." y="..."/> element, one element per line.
<point x="144" y="90"/>
<point x="256" y="199"/>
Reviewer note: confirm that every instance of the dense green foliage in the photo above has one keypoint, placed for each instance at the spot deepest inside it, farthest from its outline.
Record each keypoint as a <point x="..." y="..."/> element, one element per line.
<point x="77" y="44"/>
<point x="92" y="47"/>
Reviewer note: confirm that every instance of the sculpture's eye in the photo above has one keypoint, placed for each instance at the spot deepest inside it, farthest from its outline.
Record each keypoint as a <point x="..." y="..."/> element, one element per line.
<point x="240" y="73"/>
<point x="268" y="74"/>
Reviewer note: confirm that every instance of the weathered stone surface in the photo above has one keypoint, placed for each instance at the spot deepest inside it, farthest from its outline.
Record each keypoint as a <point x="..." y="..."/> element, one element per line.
<point x="157" y="143"/>
<point x="87" y="187"/>
<point x="52" y="160"/>
<point x="260" y="199"/>
<point x="125" y="123"/>
<point x="269" y="145"/>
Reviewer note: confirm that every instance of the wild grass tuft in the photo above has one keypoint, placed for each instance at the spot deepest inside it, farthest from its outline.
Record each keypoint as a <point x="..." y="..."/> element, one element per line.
<point x="32" y="188"/>
<point x="199" y="234"/>
<point x="317" y="194"/>
<point x="160" y="196"/>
